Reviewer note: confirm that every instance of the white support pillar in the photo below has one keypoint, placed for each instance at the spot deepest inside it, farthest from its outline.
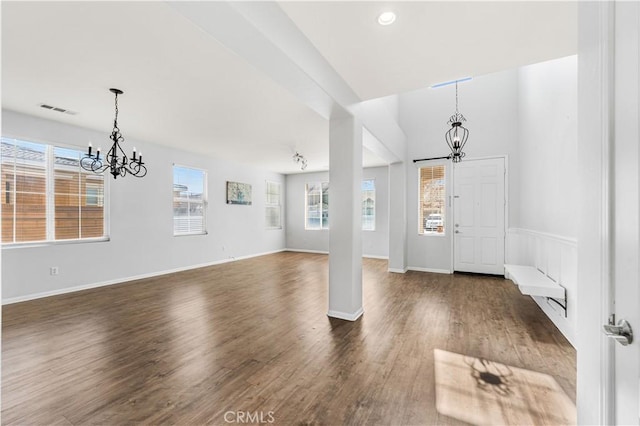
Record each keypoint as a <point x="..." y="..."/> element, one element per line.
<point x="398" y="217"/>
<point x="345" y="218"/>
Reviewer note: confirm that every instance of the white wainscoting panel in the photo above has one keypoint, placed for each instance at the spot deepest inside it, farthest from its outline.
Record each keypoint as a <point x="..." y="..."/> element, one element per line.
<point x="555" y="256"/>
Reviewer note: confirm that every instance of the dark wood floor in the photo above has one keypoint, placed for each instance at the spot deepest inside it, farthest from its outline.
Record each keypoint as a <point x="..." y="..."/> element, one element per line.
<point x="253" y="336"/>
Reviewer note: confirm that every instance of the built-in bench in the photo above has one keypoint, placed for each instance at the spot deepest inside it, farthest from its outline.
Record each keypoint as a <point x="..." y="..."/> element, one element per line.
<point x="532" y="282"/>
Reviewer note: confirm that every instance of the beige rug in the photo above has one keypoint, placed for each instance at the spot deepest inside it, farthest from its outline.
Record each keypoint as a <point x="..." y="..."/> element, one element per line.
<point x="483" y="392"/>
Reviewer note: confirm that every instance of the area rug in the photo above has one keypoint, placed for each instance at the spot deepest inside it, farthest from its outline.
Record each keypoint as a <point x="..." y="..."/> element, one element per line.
<point x="483" y="392"/>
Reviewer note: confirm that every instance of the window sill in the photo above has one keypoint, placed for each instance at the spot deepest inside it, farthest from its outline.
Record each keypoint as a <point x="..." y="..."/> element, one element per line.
<point x="191" y="234"/>
<point x="326" y="229"/>
<point x="433" y="234"/>
<point x="11" y="246"/>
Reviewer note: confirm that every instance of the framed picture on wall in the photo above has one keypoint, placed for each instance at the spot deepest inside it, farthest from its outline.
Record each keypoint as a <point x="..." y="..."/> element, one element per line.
<point x="238" y="193"/>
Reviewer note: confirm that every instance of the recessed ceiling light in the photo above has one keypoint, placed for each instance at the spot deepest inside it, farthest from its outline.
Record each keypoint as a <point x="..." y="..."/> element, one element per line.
<point x="386" y="18"/>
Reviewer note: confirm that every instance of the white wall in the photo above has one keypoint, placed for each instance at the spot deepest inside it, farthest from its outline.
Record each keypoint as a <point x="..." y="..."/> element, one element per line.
<point x="374" y="243"/>
<point x="489" y="104"/>
<point x="548" y="141"/>
<point x="141" y="224"/>
<point x="544" y="232"/>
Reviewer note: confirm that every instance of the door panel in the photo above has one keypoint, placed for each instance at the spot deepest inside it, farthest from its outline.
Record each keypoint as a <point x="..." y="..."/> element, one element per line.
<point x="488" y="217"/>
<point x="478" y="212"/>
<point x="489" y="251"/>
<point x="465" y="200"/>
<point x="467" y="250"/>
<point x="489" y="171"/>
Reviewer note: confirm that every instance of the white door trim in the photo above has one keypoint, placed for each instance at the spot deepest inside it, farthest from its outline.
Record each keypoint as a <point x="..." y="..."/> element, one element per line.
<point x="595" y="368"/>
<point x="607" y="30"/>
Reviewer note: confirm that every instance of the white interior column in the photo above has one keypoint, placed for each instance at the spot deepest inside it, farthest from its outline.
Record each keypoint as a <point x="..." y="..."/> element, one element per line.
<point x="345" y="218"/>
<point x="398" y="217"/>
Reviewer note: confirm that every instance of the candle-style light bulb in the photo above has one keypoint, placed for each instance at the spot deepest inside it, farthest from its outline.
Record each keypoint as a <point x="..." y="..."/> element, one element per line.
<point x="90" y="146"/>
<point x="134" y="153"/>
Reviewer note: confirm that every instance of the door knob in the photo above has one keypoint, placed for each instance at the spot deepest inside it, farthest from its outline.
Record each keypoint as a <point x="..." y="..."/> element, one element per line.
<point x="621" y="332"/>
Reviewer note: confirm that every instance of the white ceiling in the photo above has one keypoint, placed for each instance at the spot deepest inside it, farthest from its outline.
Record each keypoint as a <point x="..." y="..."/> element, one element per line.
<point x="184" y="89"/>
<point x="181" y="88"/>
<point x="432" y="42"/>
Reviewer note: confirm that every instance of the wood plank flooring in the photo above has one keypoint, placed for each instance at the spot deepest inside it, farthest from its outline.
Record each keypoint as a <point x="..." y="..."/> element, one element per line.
<point x="253" y="337"/>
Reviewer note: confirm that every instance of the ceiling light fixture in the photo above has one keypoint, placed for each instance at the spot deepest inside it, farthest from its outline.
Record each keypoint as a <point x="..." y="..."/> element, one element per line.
<point x="116" y="160"/>
<point x="299" y="159"/>
<point x="386" y="18"/>
<point x="457" y="135"/>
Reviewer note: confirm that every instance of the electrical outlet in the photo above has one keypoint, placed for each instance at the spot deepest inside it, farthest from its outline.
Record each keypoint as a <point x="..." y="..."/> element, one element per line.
<point x="54" y="270"/>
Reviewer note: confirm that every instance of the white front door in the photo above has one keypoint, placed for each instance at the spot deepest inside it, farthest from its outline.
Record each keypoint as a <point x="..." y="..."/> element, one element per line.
<point x="478" y="212"/>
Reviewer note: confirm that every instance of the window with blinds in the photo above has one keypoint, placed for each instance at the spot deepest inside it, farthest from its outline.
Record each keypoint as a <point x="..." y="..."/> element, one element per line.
<point x="47" y="195"/>
<point x="189" y="201"/>
<point x="317" y="205"/>
<point x="432" y="200"/>
<point x="368" y="205"/>
<point x="273" y="209"/>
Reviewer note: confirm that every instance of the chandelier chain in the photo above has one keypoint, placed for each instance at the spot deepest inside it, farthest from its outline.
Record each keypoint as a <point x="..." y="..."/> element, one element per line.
<point x="115" y="120"/>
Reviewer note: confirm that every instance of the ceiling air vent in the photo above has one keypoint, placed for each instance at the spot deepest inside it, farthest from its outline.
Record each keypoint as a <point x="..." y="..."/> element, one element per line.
<point x="62" y="110"/>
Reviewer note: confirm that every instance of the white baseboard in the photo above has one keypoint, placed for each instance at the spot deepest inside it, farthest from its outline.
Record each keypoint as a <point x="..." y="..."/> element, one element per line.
<point x="433" y="270"/>
<point x="344" y="316"/>
<point x="557" y="319"/>
<point x="374" y="256"/>
<point x="306" y="251"/>
<point x="27" y="297"/>
<point x="370" y="256"/>
<point x="397" y="270"/>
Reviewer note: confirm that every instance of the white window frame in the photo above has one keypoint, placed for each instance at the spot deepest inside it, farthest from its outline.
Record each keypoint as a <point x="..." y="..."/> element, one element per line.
<point x="306" y="206"/>
<point x="268" y="205"/>
<point x="205" y="202"/>
<point x="50" y="199"/>
<point x="374" y="206"/>
<point x="321" y="183"/>
<point x="446" y="208"/>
